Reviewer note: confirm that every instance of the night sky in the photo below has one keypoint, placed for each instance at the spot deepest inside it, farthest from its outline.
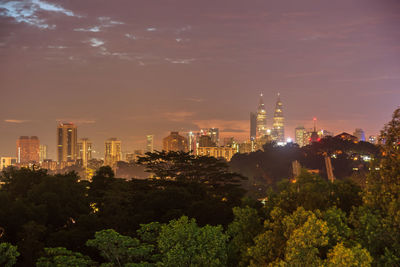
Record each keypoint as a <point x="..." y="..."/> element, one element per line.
<point x="130" y="68"/>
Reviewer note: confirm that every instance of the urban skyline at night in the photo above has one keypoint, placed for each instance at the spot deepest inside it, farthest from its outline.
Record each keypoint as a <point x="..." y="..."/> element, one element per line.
<point x="266" y="127"/>
<point x="148" y="69"/>
<point x="199" y="133"/>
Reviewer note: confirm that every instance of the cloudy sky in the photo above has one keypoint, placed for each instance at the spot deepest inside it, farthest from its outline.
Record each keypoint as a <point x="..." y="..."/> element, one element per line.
<point x="127" y="68"/>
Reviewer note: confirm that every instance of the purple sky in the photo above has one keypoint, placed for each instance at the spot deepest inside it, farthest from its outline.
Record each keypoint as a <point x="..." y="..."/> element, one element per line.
<point x="130" y="68"/>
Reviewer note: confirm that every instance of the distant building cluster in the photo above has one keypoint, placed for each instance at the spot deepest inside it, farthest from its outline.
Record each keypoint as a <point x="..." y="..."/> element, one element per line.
<point x="73" y="151"/>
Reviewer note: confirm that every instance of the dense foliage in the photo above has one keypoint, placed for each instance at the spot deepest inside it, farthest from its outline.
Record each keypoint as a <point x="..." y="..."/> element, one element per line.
<point x="193" y="212"/>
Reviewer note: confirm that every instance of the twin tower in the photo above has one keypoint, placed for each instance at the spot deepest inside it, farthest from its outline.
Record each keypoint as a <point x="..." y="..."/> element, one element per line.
<point x="258" y="123"/>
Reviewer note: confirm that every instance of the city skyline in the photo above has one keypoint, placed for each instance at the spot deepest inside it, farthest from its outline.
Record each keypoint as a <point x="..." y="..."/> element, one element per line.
<point x="149" y="69"/>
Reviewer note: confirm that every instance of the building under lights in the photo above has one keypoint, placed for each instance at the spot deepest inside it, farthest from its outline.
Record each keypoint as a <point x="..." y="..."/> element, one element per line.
<point x="84" y="151"/>
<point x="301" y="136"/>
<point x="175" y="142"/>
<point x="28" y="149"/>
<point x="278" y="129"/>
<point x="217" y="152"/>
<point x="112" y="152"/>
<point x="261" y="118"/>
<point x="67" y="148"/>
<point x="42" y="152"/>
<point x="150" y="143"/>
<point x="360" y="134"/>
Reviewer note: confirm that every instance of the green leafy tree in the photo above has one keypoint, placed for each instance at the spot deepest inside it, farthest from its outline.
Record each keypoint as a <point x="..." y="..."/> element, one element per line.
<point x="182" y="166"/>
<point x="183" y="243"/>
<point x="118" y="249"/>
<point x="341" y="256"/>
<point x="304" y="243"/>
<point x="377" y="223"/>
<point x="246" y="225"/>
<point x="62" y="257"/>
<point x="8" y="254"/>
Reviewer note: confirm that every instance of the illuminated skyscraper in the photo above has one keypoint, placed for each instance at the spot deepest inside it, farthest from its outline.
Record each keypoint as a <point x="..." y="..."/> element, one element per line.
<point x="213" y="133"/>
<point x="112" y="152"/>
<point x="314" y="137"/>
<point x="359" y="133"/>
<point x="67" y="148"/>
<point x="175" y="142"/>
<point x="42" y="152"/>
<point x="301" y="136"/>
<point x="27" y="149"/>
<point x="261" y="120"/>
<point x="85" y="150"/>
<point x="278" y="127"/>
<point x="150" y="143"/>
<point x="192" y="144"/>
<point x="253" y="126"/>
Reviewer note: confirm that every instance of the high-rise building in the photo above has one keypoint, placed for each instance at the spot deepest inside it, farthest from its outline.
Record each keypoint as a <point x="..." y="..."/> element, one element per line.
<point x="112" y="152"/>
<point x="7" y="161"/>
<point x="301" y="137"/>
<point x="84" y="150"/>
<point x="253" y="126"/>
<point x="314" y="137"/>
<point x="67" y="139"/>
<point x="192" y="143"/>
<point x="206" y="141"/>
<point x="360" y="134"/>
<point x="261" y="120"/>
<point x="42" y="152"/>
<point x="278" y="128"/>
<point x="28" y="149"/>
<point x="175" y="142"/>
<point x="213" y="133"/>
<point x="150" y="143"/>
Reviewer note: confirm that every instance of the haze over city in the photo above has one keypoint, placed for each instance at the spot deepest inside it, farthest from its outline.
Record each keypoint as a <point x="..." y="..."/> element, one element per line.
<point x="152" y="68"/>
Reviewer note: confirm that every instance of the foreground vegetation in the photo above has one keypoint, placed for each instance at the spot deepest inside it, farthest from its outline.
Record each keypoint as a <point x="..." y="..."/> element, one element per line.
<point x="196" y="213"/>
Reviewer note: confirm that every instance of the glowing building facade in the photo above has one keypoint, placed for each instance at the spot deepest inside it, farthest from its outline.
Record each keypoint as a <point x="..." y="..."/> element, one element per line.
<point x="278" y="127"/>
<point x="261" y="119"/>
<point x="28" y="149"/>
<point x="67" y="142"/>
<point x="85" y="150"/>
<point x="150" y="143"/>
<point x="301" y="136"/>
<point x="42" y="152"/>
<point x="175" y="142"/>
<point x="112" y="152"/>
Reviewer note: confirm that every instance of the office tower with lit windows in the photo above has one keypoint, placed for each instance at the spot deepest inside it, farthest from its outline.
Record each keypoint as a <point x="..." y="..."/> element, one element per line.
<point x="7" y="161"/>
<point x="278" y="127"/>
<point x="175" y="142"/>
<point x="42" y="152"/>
<point x="213" y="133"/>
<point x="150" y="143"/>
<point x="206" y="141"/>
<point x="192" y="142"/>
<point x="253" y="126"/>
<point x="314" y="137"/>
<point x="360" y="134"/>
<point x="301" y="136"/>
<point x="261" y="119"/>
<point x="67" y="142"/>
<point x="28" y="149"/>
<point x="112" y="151"/>
<point x="85" y="150"/>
